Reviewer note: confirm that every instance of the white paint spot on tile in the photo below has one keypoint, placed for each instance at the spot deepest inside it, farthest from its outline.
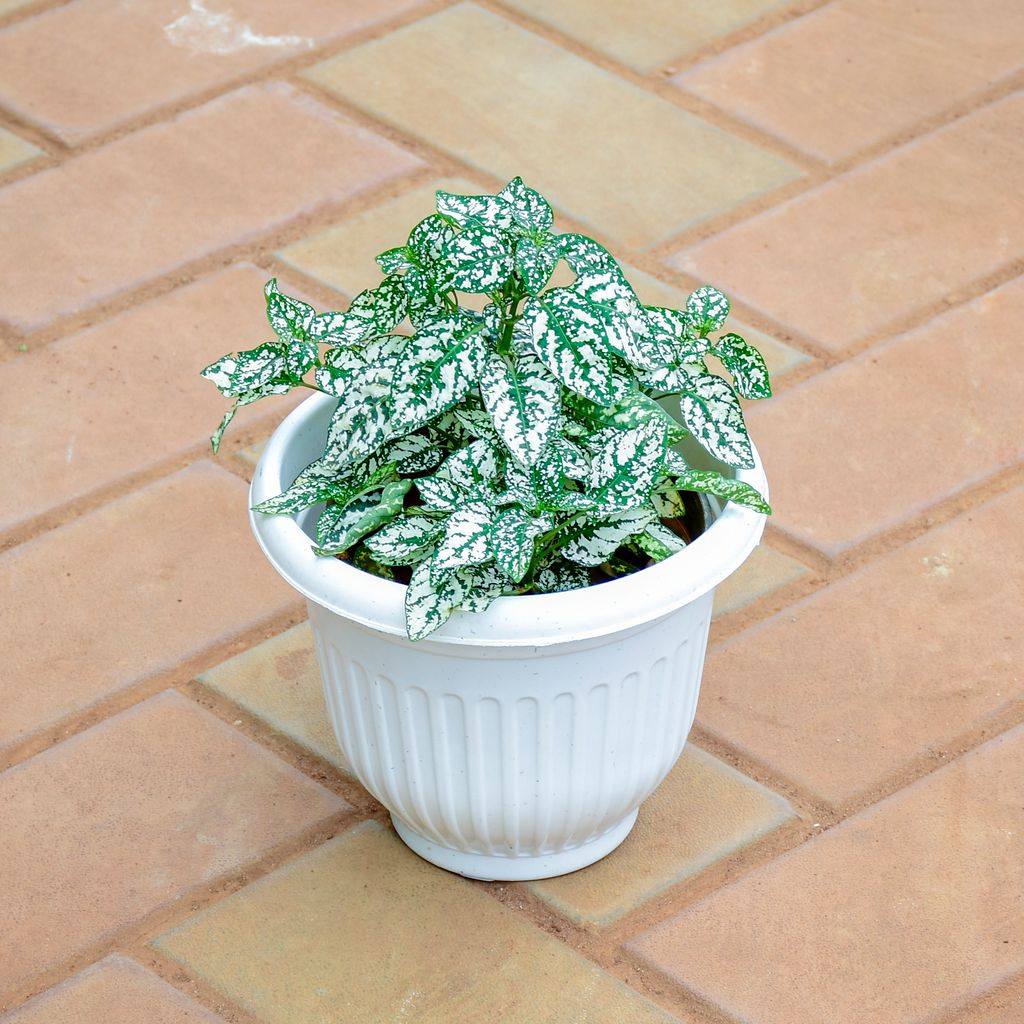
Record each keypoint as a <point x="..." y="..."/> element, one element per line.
<point x="937" y="565"/>
<point x="204" y="31"/>
<point x="69" y="454"/>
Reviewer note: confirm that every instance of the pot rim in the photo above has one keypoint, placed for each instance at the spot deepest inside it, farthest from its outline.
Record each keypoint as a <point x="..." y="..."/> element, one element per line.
<point x="522" y="620"/>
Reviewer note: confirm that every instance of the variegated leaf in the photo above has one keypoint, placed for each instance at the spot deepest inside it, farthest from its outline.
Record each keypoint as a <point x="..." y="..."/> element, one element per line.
<point x="535" y="262"/>
<point x="339" y="367"/>
<point x="438" y="368"/>
<point x="583" y="254"/>
<point x="523" y="402"/>
<point x="475" y="211"/>
<point x="710" y="482"/>
<point x="707" y="309"/>
<point x="746" y="364"/>
<point x="575" y="462"/>
<point x="414" y="454"/>
<point x="341" y="328"/>
<point x="440" y="492"/>
<point x="475" y="464"/>
<point x="511" y="540"/>
<point x="347" y="527"/>
<point x="419" y="286"/>
<point x="247" y="399"/>
<point x="480" y="259"/>
<point x="466" y="539"/>
<point x="531" y="210"/>
<point x="394" y="261"/>
<point x="404" y="540"/>
<point x="712" y="413"/>
<point x="248" y="371"/>
<point x="484" y="584"/>
<point x="390" y="304"/>
<point x="658" y="541"/>
<point x="323" y="480"/>
<point x="476" y="422"/>
<point x="429" y="239"/>
<point x="560" y="576"/>
<point x="626" y="464"/>
<point x="594" y="541"/>
<point x="289" y="317"/>
<point x="571" y="339"/>
<point x="429" y="605"/>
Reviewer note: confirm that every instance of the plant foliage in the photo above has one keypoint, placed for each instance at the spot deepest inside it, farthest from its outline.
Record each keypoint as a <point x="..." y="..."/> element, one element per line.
<point x="520" y="449"/>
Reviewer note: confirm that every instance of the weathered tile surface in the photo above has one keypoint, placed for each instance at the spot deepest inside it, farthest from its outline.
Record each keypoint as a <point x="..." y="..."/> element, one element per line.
<point x="60" y="70"/>
<point x="764" y="571"/>
<point x="845" y="688"/>
<point x="362" y="923"/>
<point x="14" y="150"/>
<point x="853" y="73"/>
<point x="129" y="815"/>
<point x="344" y="256"/>
<point x="899" y="427"/>
<point x="884" y="241"/>
<point x="128" y="591"/>
<point x="649" y="33"/>
<point x="147" y="203"/>
<point x="114" y="991"/>
<point x="890" y="918"/>
<point x="279" y="681"/>
<point x="480" y="98"/>
<point x="128" y="392"/>
<point x="702" y="812"/>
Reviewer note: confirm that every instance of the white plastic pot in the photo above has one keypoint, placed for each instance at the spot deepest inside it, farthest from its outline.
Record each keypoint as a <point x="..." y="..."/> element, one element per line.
<point x="519" y="742"/>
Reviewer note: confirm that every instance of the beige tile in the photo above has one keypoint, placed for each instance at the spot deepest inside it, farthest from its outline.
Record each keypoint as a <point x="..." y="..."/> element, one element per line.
<point x="126" y="817"/>
<point x="648" y="33"/>
<point x="844" y="690"/>
<point x="702" y="812"/>
<point x="364" y="927"/>
<point x="279" y="681"/>
<point x="764" y="571"/>
<point x="14" y="150"/>
<point x="149" y="202"/>
<point x="897" y="916"/>
<point x="884" y="241"/>
<point x="114" y="991"/>
<point x="606" y="152"/>
<point x="344" y="256"/>
<point x="855" y="72"/>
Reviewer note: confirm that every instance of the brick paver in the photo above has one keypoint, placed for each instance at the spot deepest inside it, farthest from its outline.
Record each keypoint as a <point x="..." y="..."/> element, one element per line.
<point x="365" y="928"/>
<point x="844" y="689"/>
<point x="701" y="813"/>
<point x="14" y="150"/>
<point x="857" y="479"/>
<point x="279" y="682"/>
<point x="826" y="83"/>
<point x="649" y="33"/>
<point x="689" y="171"/>
<point x="148" y="203"/>
<point x="168" y="571"/>
<point x="164" y="158"/>
<point x="882" y="242"/>
<point x="166" y="50"/>
<point x="129" y="815"/>
<point x="128" y="391"/>
<point x="887" y="919"/>
<point x="114" y="991"/>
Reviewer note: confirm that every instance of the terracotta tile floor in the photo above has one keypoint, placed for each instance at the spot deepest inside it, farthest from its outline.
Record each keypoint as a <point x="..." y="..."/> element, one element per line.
<point x="844" y="842"/>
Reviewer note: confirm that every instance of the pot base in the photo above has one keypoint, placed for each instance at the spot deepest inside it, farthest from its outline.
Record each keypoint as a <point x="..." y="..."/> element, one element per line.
<point x="486" y="868"/>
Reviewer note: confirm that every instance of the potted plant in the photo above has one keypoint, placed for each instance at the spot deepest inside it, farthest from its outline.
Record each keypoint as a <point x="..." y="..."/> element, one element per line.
<point x="509" y="523"/>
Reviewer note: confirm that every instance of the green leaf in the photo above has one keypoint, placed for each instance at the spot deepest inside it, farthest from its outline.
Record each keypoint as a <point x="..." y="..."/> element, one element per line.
<point x="590" y="543"/>
<point x="247" y="399"/>
<point x="710" y="482"/>
<point x="414" y="453"/>
<point x="438" y="367"/>
<point x="707" y="309"/>
<point x="746" y="364"/>
<point x="476" y="422"/>
<point x="439" y="492"/>
<point x="483" y="585"/>
<point x="658" y="541"/>
<point x="712" y="413"/>
<point x="572" y="341"/>
<point x="404" y="540"/>
<point x="360" y="517"/>
<point x="428" y="605"/>
<point x="536" y="261"/>
<point x="466" y="539"/>
<point x="289" y="317"/>
<point x="429" y="239"/>
<point x="390" y="304"/>
<point x="480" y="259"/>
<point x="530" y="209"/>
<point x="523" y="402"/>
<point x="340" y="328"/>
<point x="583" y="254"/>
<point x="560" y="576"/>
<point x="511" y="542"/>
<point x="475" y="211"/>
<point x="248" y="371"/>
<point x="626" y="464"/>
<point x="394" y="261"/>
<point x="323" y="480"/>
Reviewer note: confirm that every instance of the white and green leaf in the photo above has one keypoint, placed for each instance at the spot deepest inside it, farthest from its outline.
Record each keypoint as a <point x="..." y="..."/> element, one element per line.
<point x="536" y="262"/>
<point x="404" y="540"/>
<point x="476" y="211"/>
<point x="625" y="465"/>
<point x="480" y="259"/>
<point x="428" y="605"/>
<point x="512" y="541"/>
<point x="466" y="539"/>
<point x="707" y="309"/>
<point x="522" y="400"/>
<point x="746" y="364"/>
<point x="560" y="576"/>
<point x="711" y="412"/>
<point x="289" y="317"/>
<point x="248" y="371"/>
<point x="592" y="542"/>
<point x="710" y="482"/>
<point x="360" y="517"/>
<point x="531" y="211"/>
<point x="483" y="584"/>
